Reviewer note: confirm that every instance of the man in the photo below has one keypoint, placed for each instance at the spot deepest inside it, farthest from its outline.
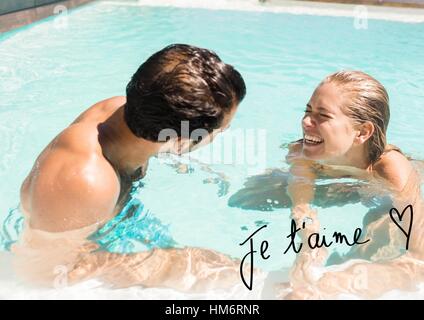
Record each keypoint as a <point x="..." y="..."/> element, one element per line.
<point x="84" y="176"/>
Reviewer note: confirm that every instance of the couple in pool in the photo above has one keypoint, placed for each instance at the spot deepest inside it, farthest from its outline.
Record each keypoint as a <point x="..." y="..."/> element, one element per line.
<point x="84" y="178"/>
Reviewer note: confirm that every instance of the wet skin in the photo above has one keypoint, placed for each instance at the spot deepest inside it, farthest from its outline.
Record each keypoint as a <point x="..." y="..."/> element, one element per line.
<point x="71" y="166"/>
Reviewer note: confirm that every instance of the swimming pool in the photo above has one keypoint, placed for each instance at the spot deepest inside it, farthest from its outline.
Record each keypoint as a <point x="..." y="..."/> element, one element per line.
<point x="53" y="70"/>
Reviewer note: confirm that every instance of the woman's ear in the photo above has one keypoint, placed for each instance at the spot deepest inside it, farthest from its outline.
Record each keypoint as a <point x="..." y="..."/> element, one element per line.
<point x="365" y="131"/>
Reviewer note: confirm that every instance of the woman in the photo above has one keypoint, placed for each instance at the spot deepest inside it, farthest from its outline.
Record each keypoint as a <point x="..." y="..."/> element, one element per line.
<point x="344" y="134"/>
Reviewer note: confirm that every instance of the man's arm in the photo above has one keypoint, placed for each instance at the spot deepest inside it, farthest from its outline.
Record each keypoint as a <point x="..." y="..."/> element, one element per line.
<point x="188" y="269"/>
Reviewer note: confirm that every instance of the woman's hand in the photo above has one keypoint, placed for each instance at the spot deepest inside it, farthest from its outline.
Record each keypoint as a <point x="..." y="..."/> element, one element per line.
<point x="303" y="274"/>
<point x="304" y="214"/>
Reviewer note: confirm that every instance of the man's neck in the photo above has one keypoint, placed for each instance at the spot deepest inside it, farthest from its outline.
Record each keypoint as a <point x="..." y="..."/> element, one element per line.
<point x="126" y="152"/>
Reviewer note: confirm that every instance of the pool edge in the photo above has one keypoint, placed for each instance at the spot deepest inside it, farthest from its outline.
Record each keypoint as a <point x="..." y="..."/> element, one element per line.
<point x="17" y="19"/>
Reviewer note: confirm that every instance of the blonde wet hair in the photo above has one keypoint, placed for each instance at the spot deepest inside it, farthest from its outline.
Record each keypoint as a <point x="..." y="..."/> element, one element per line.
<point x="366" y="100"/>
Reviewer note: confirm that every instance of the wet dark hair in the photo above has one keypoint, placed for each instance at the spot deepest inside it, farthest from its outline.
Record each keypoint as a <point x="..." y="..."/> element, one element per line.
<point x="181" y="83"/>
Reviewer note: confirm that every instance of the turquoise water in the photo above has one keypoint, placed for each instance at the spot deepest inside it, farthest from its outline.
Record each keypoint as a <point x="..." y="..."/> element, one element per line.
<point x="49" y="73"/>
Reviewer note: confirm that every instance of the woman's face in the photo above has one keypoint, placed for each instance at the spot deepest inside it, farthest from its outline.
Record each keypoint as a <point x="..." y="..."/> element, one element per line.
<point x="327" y="132"/>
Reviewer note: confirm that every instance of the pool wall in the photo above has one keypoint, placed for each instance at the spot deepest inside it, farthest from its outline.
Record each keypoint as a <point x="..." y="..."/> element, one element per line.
<point x="17" y="13"/>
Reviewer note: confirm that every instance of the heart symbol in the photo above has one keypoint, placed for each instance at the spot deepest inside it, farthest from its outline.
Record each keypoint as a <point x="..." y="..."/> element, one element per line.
<point x="400" y="217"/>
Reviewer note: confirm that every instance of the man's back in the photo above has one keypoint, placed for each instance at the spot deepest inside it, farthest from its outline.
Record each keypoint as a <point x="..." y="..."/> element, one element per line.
<point x="73" y="167"/>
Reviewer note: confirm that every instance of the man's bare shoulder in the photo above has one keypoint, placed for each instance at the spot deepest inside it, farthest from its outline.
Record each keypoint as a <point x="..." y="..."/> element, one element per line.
<point x="71" y="184"/>
<point x="77" y="150"/>
<point x="80" y="192"/>
<point x="78" y="138"/>
<point x="71" y="180"/>
<point x="101" y="110"/>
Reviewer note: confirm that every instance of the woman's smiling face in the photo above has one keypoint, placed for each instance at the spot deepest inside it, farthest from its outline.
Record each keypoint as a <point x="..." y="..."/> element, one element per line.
<point x="328" y="134"/>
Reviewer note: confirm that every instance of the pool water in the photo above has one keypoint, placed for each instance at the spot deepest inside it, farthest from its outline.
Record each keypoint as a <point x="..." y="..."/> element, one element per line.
<point x="53" y="70"/>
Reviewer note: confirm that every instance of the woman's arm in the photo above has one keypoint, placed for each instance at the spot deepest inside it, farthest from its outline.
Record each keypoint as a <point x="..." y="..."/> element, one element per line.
<point x="366" y="280"/>
<point x="372" y="279"/>
<point x="301" y="191"/>
<point x="301" y="184"/>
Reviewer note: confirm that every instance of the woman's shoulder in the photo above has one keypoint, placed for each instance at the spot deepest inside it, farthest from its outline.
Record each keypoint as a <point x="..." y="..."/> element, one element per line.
<point x="394" y="167"/>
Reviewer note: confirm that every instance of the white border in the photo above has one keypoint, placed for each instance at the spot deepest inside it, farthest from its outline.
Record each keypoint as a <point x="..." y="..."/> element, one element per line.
<point x="409" y="15"/>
